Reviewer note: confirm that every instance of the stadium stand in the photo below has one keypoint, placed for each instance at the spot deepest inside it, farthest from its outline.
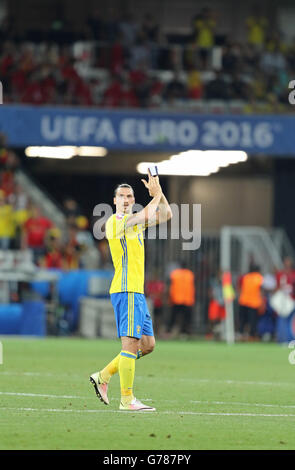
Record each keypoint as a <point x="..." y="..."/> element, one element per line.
<point x="124" y="63"/>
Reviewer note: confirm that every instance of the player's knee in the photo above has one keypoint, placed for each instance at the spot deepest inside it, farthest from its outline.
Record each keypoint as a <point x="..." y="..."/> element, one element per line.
<point x="151" y="346"/>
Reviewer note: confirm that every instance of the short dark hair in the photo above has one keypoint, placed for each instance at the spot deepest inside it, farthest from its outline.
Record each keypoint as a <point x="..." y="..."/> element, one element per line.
<point x="122" y="185"/>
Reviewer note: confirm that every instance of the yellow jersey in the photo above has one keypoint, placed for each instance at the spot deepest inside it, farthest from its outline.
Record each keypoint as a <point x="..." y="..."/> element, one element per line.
<point x="127" y="251"/>
<point x="7" y="222"/>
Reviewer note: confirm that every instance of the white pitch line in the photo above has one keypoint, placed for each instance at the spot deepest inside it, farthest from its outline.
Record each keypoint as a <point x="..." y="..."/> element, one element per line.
<point x="140" y="377"/>
<point x="31" y="374"/>
<point x="40" y="395"/>
<point x="197" y="402"/>
<point x="240" y="404"/>
<point x="56" y="410"/>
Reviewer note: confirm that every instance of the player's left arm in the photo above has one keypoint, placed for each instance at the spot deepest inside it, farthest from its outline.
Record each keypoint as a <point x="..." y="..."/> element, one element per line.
<point x="163" y="214"/>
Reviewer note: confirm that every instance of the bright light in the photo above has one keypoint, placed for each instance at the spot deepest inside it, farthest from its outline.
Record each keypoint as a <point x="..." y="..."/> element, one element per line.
<point x="92" y="151"/>
<point x="65" y="152"/>
<point x="196" y="162"/>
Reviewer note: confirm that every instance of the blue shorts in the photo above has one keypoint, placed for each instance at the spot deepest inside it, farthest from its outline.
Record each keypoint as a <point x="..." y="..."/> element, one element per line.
<point x="132" y="314"/>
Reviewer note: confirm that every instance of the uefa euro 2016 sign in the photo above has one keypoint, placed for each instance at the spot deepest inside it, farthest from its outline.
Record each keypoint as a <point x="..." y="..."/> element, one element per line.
<point x="145" y="130"/>
<point x="157" y="132"/>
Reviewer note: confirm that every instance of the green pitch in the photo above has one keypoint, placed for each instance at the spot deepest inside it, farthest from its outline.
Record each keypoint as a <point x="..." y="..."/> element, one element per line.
<point x="207" y="395"/>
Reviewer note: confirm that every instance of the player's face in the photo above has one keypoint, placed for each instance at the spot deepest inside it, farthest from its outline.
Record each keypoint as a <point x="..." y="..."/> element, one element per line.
<point x="124" y="200"/>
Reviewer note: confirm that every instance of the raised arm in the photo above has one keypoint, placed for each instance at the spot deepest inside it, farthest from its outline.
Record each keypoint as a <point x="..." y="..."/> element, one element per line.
<point x="163" y="212"/>
<point x="149" y="212"/>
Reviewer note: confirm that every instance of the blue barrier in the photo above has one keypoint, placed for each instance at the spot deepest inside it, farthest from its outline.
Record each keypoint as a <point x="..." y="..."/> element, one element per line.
<point x="10" y="319"/>
<point x="33" y="319"/>
<point x="267" y="322"/>
<point x="70" y="286"/>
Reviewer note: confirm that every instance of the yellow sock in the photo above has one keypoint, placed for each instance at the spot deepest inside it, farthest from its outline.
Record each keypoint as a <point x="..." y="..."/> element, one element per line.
<point x="113" y="366"/>
<point x="110" y="369"/>
<point x="126" y="372"/>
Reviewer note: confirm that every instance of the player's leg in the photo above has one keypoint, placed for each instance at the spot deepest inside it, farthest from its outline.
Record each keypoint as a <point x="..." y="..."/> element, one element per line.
<point x="253" y="317"/>
<point x="242" y="319"/>
<point x="146" y="345"/>
<point x="173" y="318"/>
<point x="126" y="368"/>
<point x="130" y="344"/>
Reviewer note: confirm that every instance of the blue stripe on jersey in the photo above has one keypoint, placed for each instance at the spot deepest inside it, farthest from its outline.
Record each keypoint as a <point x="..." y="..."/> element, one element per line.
<point x="124" y="264"/>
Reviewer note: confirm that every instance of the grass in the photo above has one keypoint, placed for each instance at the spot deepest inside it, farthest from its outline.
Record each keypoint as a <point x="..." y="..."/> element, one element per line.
<point x="207" y="395"/>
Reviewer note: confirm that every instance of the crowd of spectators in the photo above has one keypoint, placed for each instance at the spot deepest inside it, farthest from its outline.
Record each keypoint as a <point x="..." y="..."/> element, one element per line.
<point x="262" y="301"/>
<point x="133" y="54"/>
<point x="24" y="226"/>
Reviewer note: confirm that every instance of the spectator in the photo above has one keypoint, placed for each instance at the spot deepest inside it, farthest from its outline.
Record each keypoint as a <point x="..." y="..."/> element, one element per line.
<point x="71" y="257"/>
<point x="48" y="83"/>
<point x="217" y="89"/>
<point x="257" y="26"/>
<point x="90" y="257"/>
<point x="216" y="309"/>
<point x="7" y="223"/>
<point x="272" y="61"/>
<point x="194" y="85"/>
<point x="150" y="28"/>
<point x="175" y="89"/>
<point x="267" y="319"/>
<point x="182" y="299"/>
<point x="117" y="55"/>
<point x="33" y="92"/>
<point x="250" y="58"/>
<point x="250" y="301"/>
<point x="112" y="95"/>
<point x="19" y="200"/>
<point x="142" y="84"/>
<point x="128" y="98"/>
<point x="204" y="26"/>
<point x="129" y="29"/>
<point x="140" y="52"/>
<point x="230" y="59"/>
<point x="111" y="25"/>
<point x="71" y="209"/>
<point x="35" y="231"/>
<point x="53" y="255"/>
<point x="258" y="86"/>
<point x="95" y="24"/>
<point x="239" y="89"/>
<point x="286" y="277"/>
